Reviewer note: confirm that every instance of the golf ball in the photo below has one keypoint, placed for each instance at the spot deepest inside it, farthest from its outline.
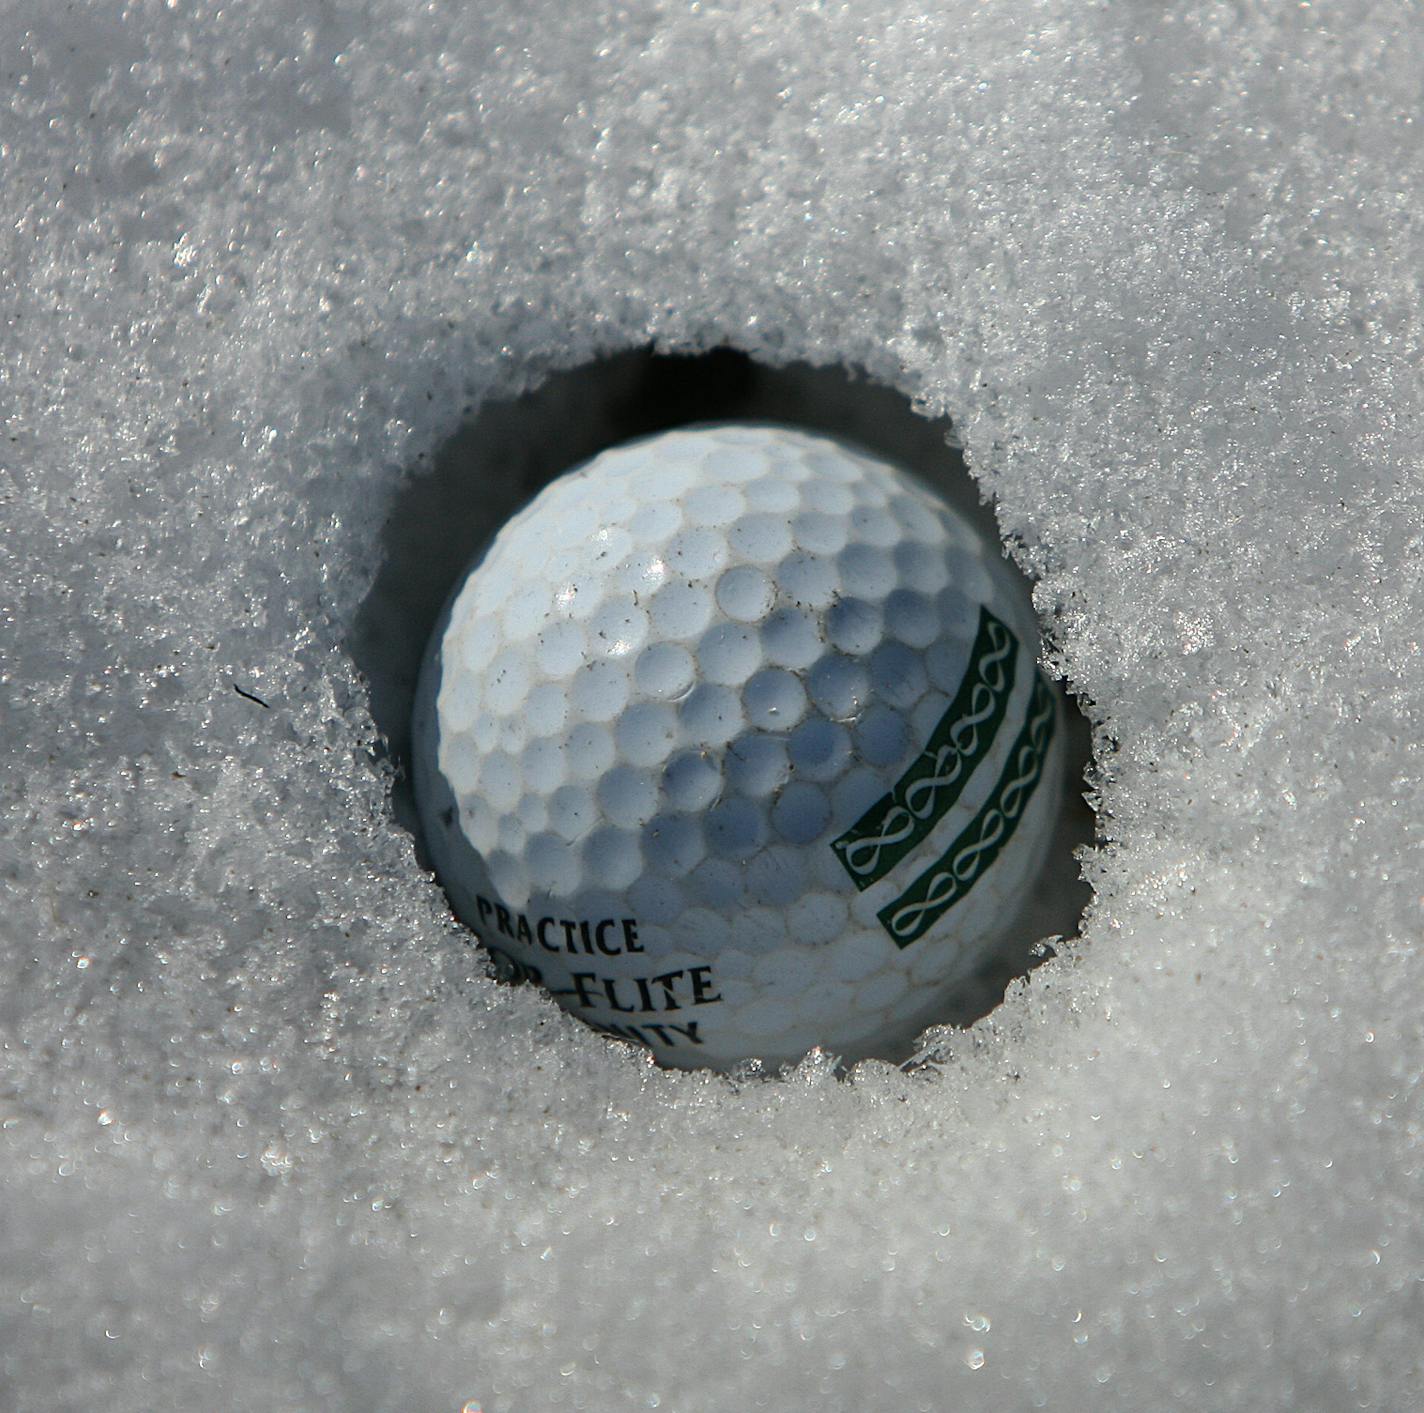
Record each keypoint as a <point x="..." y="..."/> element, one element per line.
<point x="735" y="740"/>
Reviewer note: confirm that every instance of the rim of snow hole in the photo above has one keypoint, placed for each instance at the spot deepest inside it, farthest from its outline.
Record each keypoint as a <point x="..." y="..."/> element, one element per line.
<point x="508" y="450"/>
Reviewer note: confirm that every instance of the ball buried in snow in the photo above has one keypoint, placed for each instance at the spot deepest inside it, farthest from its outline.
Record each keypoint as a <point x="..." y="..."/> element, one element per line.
<point x="734" y="739"/>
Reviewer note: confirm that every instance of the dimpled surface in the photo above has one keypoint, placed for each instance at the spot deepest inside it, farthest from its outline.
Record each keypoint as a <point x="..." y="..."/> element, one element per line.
<point x="734" y="739"/>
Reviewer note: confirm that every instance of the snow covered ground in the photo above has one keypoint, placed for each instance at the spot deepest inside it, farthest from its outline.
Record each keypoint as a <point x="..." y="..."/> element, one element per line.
<point x="269" y="1138"/>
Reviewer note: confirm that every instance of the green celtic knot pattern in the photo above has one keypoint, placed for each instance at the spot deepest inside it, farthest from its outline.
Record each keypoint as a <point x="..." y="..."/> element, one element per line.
<point x="900" y="820"/>
<point x="955" y="872"/>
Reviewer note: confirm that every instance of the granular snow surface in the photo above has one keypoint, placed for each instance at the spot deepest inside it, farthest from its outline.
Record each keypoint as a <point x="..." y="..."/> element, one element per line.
<point x="270" y="1136"/>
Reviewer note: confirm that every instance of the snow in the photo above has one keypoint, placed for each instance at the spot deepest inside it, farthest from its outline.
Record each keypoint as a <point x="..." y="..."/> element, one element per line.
<point x="269" y="1137"/>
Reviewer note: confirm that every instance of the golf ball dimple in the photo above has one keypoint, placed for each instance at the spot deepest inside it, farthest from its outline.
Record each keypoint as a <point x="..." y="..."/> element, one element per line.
<point x="735" y="740"/>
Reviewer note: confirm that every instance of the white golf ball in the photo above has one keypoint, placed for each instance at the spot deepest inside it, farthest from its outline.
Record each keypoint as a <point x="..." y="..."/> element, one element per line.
<point x="735" y="740"/>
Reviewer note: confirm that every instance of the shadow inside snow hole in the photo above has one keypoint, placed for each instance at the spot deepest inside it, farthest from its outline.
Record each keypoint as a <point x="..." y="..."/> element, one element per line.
<point x="500" y="459"/>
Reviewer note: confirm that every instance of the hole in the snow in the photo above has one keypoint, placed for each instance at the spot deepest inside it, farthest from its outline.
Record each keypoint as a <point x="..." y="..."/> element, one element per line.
<point x="510" y="450"/>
